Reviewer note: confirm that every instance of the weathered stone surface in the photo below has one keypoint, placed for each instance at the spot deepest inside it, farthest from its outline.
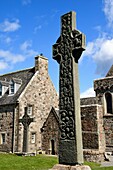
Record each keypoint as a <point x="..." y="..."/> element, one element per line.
<point x="6" y="126"/>
<point x="88" y="101"/>
<point x="49" y="132"/>
<point x="67" y="52"/>
<point x="61" y="167"/>
<point x="26" y="121"/>
<point x="92" y="127"/>
<point x="108" y="128"/>
<point x="41" y="94"/>
<point x="93" y="155"/>
<point x="68" y="167"/>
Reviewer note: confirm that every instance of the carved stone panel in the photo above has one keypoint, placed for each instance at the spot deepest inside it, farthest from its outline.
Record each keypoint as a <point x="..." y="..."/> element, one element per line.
<point x="67" y="52"/>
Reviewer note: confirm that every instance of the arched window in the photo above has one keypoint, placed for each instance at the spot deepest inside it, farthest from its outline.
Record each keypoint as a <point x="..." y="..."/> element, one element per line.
<point x="108" y="98"/>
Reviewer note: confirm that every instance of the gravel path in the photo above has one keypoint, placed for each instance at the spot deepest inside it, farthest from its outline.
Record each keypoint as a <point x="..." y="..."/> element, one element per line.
<point x="108" y="163"/>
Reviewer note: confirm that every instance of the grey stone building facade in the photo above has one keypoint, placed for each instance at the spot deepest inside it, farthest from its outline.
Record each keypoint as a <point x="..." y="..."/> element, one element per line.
<point x="26" y="98"/>
<point x="29" y="113"/>
<point x="49" y="133"/>
<point x="97" y="122"/>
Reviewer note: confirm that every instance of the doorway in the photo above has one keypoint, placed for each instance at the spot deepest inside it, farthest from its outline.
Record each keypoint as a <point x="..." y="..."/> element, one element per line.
<point x="52" y="147"/>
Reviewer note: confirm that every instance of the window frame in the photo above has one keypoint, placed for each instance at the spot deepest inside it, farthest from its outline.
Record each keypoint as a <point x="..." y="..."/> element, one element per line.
<point x="30" y="110"/>
<point x="108" y="107"/>
<point x="3" y="138"/>
<point x="12" y="86"/>
<point x="33" y="137"/>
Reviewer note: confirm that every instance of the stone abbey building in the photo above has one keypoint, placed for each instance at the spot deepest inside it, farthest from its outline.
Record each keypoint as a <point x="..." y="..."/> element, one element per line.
<point x="29" y="120"/>
<point x="97" y="123"/>
<point x="26" y="98"/>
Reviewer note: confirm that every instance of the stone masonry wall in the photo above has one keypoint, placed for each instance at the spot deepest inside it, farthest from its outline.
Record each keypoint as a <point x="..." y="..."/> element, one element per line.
<point x="50" y="132"/>
<point x="6" y="127"/>
<point x="41" y="94"/>
<point x="93" y="132"/>
<point x="88" y="101"/>
<point x="90" y="127"/>
<point x="108" y="128"/>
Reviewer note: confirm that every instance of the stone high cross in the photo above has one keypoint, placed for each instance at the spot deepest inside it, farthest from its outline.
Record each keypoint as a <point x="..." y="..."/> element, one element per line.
<point x="26" y="120"/>
<point x="67" y="51"/>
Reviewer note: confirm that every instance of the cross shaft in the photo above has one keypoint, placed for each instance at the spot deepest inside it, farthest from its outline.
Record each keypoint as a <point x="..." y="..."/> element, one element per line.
<point x="67" y="52"/>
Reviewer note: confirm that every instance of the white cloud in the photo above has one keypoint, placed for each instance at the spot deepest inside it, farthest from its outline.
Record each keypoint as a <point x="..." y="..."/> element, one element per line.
<point x="25" y="45"/>
<point x="7" y="56"/>
<point x="108" y="10"/>
<point x="27" y="50"/>
<point x="5" y="39"/>
<point x="88" y="93"/>
<point x="8" y="59"/>
<point x="9" y="26"/>
<point x="26" y="2"/>
<point x="101" y="51"/>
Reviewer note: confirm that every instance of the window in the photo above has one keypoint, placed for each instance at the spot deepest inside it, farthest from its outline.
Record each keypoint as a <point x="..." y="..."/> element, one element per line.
<point x="33" y="137"/>
<point x="108" y="98"/>
<point x="3" y="87"/>
<point x="3" y="138"/>
<point x="12" y="87"/>
<point x="29" y="110"/>
<point x="0" y="89"/>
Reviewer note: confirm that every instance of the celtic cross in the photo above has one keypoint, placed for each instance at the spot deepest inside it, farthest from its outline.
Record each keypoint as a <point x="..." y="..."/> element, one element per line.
<point x="67" y="51"/>
<point x="26" y="120"/>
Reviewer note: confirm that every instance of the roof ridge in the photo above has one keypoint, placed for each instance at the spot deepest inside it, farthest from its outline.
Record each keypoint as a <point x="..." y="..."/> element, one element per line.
<point x="16" y="71"/>
<point x="110" y="72"/>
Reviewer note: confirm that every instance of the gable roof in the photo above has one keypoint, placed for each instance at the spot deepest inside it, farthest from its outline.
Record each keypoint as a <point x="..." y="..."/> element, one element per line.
<point x="23" y="75"/>
<point x="53" y="111"/>
<point x="110" y="72"/>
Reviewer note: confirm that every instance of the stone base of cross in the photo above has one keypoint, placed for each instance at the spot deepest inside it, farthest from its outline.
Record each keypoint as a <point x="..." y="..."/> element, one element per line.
<point x="68" y="167"/>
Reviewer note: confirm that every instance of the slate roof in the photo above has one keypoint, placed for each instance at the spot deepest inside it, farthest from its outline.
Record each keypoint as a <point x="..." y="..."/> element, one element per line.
<point x="23" y="75"/>
<point x="110" y="72"/>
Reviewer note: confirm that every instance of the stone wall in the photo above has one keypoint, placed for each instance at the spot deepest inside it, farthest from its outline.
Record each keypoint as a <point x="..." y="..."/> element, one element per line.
<point x="93" y="132"/>
<point x="49" y="132"/>
<point x="88" y="101"/>
<point x="6" y="127"/>
<point x="108" y="128"/>
<point x="93" y="156"/>
<point x="90" y="127"/>
<point x="41" y="94"/>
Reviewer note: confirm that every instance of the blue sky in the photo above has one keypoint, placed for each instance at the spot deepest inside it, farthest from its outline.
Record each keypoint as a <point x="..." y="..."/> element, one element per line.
<point x="31" y="27"/>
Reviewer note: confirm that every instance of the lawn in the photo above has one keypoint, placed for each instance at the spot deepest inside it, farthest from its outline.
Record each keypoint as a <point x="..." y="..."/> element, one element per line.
<point x="39" y="162"/>
<point x="95" y="166"/>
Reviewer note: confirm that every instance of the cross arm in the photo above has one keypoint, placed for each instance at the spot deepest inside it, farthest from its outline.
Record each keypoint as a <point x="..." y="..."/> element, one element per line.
<point x="56" y="50"/>
<point x="79" y="45"/>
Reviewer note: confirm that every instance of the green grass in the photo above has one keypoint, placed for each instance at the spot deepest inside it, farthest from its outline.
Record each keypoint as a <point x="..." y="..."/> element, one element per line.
<point x="39" y="162"/>
<point x="96" y="166"/>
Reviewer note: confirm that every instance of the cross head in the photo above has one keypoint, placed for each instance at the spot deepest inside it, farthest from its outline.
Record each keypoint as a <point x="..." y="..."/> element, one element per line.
<point x="71" y="42"/>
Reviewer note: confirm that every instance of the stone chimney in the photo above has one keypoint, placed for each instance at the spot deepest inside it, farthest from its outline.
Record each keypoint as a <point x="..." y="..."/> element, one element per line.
<point x="41" y="64"/>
